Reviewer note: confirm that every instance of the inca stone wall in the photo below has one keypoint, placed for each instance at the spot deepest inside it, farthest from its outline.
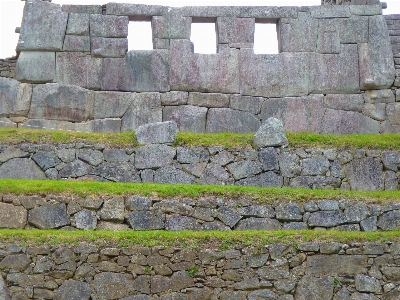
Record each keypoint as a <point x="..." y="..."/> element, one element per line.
<point x="334" y="73"/>
<point x="312" y="271"/>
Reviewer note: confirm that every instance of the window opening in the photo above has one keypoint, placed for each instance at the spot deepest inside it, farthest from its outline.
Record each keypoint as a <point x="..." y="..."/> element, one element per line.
<point x="204" y="37"/>
<point x="266" y="38"/>
<point x="140" y="36"/>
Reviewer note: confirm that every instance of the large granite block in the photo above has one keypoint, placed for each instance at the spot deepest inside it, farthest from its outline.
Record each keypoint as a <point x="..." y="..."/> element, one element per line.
<point x="365" y="174"/>
<point x="299" y="35"/>
<point x="171" y="26"/>
<point x="113" y="74"/>
<point x="78" y="69"/>
<point x="208" y="99"/>
<point x="246" y="103"/>
<point x="366" y="10"/>
<point x="353" y="30"/>
<point x="376" y="57"/>
<point x="111" y="104"/>
<point x="284" y="74"/>
<point x="76" y="43"/>
<point x="229" y="120"/>
<point x="335" y="73"/>
<point x="15" y="97"/>
<point x="82" y="9"/>
<point x="78" y="24"/>
<point x="109" y="26"/>
<point x="260" y="12"/>
<point x="61" y="102"/>
<point x="109" y="47"/>
<point x="36" y="67"/>
<point x="351" y="102"/>
<point x="137" y="10"/>
<point x="298" y="114"/>
<point x="145" y="108"/>
<point x="187" y="117"/>
<point x="328" y="41"/>
<point x="235" y="30"/>
<point x="174" y="98"/>
<point x="39" y="32"/>
<point x="213" y="73"/>
<point x="393" y="113"/>
<point x="330" y="11"/>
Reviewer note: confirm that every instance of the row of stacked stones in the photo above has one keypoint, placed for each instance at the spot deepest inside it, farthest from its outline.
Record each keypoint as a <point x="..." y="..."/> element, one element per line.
<point x="308" y="271"/>
<point x="7" y="67"/>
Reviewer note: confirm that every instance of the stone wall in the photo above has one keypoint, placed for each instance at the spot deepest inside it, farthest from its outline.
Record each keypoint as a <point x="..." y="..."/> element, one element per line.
<point x="334" y="72"/>
<point x="311" y="270"/>
<point x="7" y="67"/>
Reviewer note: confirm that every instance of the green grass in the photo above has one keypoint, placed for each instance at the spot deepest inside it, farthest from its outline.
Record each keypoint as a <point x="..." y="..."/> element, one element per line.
<point x="227" y="140"/>
<point x="262" y="195"/>
<point x="212" y="239"/>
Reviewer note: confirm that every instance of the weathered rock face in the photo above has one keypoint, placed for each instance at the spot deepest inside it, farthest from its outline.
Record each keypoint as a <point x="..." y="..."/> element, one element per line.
<point x="21" y="168"/>
<point x="157" y="133"/>
<point x="270" y="134"/>
<point x="15" y="97"/>
<point x="12" y="217"/>
<point x="48" y="216"/>
<point x="365" y="174"/>
<point x="36" y="67"/>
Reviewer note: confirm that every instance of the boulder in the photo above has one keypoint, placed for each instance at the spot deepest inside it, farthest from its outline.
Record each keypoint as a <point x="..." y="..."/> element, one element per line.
<point x="48" y="216"/>
<point x="157" y="133"/>
<point x="12" y="217"/>
<point x="21" y="168"/>
<point x="73" y="290"/>
<point x="271" y="134"/>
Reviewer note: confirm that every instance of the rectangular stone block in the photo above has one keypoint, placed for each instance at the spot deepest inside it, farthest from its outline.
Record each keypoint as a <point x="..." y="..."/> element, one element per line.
<point x="36" y="67"/>
<point x="136" y="10"/>
<point x="396" y="49"/>
<point x="299" y="35"/>
<point x="15" y="97"/>
<point x="284" y="74"/>
<point x="174" y="98"/>
<point x="109" y="47"/>
<point x="109" y="26"/>
<point x="188" y="118"/>
<point x="38" y="33"/>
<point x="78" y="69"/>
<point x="78" y="24"/>
<point x="336" y="264"/>
<point x="160" y="43"/>
<point x="335" y="73"/>
<point x="261" y="12"/>
<point x="229" y="120"/>
<point x="76" y="43"/>
<point x="111" y="104"/>
<point x="393" y="113"/>
<point x="379" y="96"/>
<point x="82" y="9"/>
<point x="376" y="57"/>
<point x="328" y="42"/>
<point x="213" y="73"/>
<point x="113" y="74"/>
<point x="208" y="99"/>
<point x="353" y="30"/>
<point x="171" y="26"/>
<point x="246" y="103"/>
<point x="54" y="101"/>
<point x="235" y="30"/>
<point x="366" y="10"/>
<point x="352" y="102"/>
<point x="7" y="123"/>
<point x="330" y="11"/>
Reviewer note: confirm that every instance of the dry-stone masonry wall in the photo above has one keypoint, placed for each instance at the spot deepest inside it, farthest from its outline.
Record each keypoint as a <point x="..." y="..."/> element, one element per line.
<point x="312" y="271"/>
<point x="265" y="167"/>
<point x="209" y="213"/>
<point x="334" y="73"/>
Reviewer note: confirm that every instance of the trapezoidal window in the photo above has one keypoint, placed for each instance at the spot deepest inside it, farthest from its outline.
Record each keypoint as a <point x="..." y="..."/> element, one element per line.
<point x="140" y="35"/>
<point x="203" y="35"/>
<point x="266" y="37"/>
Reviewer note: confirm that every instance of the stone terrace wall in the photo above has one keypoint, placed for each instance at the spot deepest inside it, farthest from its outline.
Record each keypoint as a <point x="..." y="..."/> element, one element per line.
<point x="322" y="271"/>
<point x="334" y="72"/>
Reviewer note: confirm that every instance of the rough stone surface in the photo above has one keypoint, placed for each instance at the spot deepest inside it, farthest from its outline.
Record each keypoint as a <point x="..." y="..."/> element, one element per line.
<point x="86" y="219"/>
<point x="270" y="134"/>
<point x="154" y="156"/>
<point x="36" y="67"/>
<point x="326" y="219"/>
<point x="389" y="220"/>
<point x="108" y="26"/>
<point x="145" y="220"/>
<point x="367" y="284"/>
<point x="258" y="224"/>
<point x="157" y="133"/>
<point x="208" y="100"/>
<point x="108" y="47"/>
<point x="73" y="290"/>
<point x="111" y="104"/>
<point x="12" y="216"/>
<point x="310" y="288"/>
<point x="187" y="117"/>
<point x="21" y="168"/>
<point x="78" y="24"/>
<point x="15" y="97"/>
<point x="365" y="174"/>
<point x="229" y="120"/>
<point x="4" y="294"/>
<point x="48" y="216"/>
<point x="109" y="285"/>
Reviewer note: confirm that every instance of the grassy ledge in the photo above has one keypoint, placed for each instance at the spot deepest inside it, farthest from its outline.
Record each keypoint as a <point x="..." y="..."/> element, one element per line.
<point x="227" y="140"/>
<point x="262" y="195"/>
<point x="212" y="239"/>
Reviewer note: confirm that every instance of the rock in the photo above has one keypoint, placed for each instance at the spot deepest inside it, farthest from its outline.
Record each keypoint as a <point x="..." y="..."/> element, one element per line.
<point x="111" y="104"/>
<point x="12" y="217"/>
<point x="269" y="159"/>
<point x="328" y="205"/>
<point x="21" y="168"/>
<point x="393" y="113"/>
<point x="356" y="213"/>
<point x="362" y="296"/>
<point x="289" y="212"/>
<point x="270" y="134"/>
<point x="109" y="47"/>
<point x="113" y="209"/>
<point x="108" y="26"/>
<point x="73" y="290"/>
<point x="138" y="203"/>
<point x="15" y="261"/>
<point x="214" y="174"/>
<point x="38" y="35"/>
<point x="77" y="168"/>
<point x="367" y="284"/>
<point x="310" y="288"/>
<point x="210" y="100"/>
<point x="354" y="102"/>
<point x="365" y="174"/>
<point x="317" y="165"/>
<point x="295" y="226"/>
<point x="89" y="156"/>
<point x="233" y="295"/>
<point x="246" y="103"/>
<point x="326" y="219"/>
<point x="369" y="224"/>
<point x="391" y="160"/>
<point x="115" y="155"/>
<point x="228" y="216"/>
<point x="157" y="133"/>
<point x="244" y="168"/>
<point x="229" y="120"/>
<point x="389" y="220"/>
<point x="4" y="293"/>
<point x="61" y="102"/>
<point x="187" y="156"/>
<point x="145" y="220"/>
<point x="109" y="285"/>
<point x="379" y="96"/>
<point x="268" y="179"/>
<point x="86" y="219"/>
<point x="36" y="67"/>
<point x="172" y="175"/>
<point x="174" y="98"/>
<point x="16" y="97"/>
<point x="177" y="223"/>
<point x="289" y="164"/>
<point x="78" y="23"/>
<point x="235" y="31"/>
<point x="261" y="295"/>
<point x="154" y="156"/>
<point x="171" y="26"/>
<point x="75" y="43"/>
<point x="46" y="160"/>
<point x="258" y="224"/>
<point x="335" y="264"/>
<point x="48" y="216"/>
<point x="145" y="109"/>
<point x="187" y="117"/>
<point x="118" y="172"/>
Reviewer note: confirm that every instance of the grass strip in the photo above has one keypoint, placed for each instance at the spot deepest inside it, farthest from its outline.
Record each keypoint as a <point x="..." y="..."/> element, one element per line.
<point x="262" y="195"/>
<point x="213" y="239"/>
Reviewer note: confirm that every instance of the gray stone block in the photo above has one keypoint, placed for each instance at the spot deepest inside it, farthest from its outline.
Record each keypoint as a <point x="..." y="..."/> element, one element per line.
<point x="36" y="67"/>
<point x="157" y="133"/>
<point x="138" y="203"/>
<point x="235" y="30"/>
<point x="12" y="217"/>
<point x="295" y="226"/>
<point x="48" y="216"/>
<point x="289" y="164"/>
<point x="246" y="103"/>
<point x="154" y="156"/>
<point x="391" y="160"/>
<point x="289" y="212"/>
<point x="172" y="175"/>
<point x="115" y="155"/>
<point x="77" y="168"/>
<point x="350" y="102"/>
<point x="365" y="174"/>
<point x="369" y="224"/>
<point x="187" y="117"/>
<point x="328" y="11"/>
<point x="160" y="43"/>
<point x="203" y="73"/>
<point x="389" y="220"/>
<point x="375" y="111"/>
<point x="229" y="120"/>
<point x="375" y="57"/>
<point x="258" y="224"/>
<point x="393" y="113"/>
<point x="366" y="10"/>
<point x="78" y="69"/>
<point x="108" y="47"/>
<point x="208" y="100"/>
<point x="317" y="165"/>
<point x="112" y="285"/>
<point x="109" y="26"/>
<point x="145" y="109"/>
<point x="82" y="9"/>
<point x="145" y="220"/>
<point x="46" y="160"/>
<point x="327" y="205"/>
<point x="113" y="209"/>
<point x="90" y="156"/>
<point x="353" y="29"/>
<point x="335" y="73"/>
<point x="76" y="43"/>
<point x="177" y="223"/>
<point x="284" y="74"/>
<point x="73" y="289"/>
<point x="310" y="288"/>
<point x="174" y="98"/>
<point x="118" y="172"/>
<point x="38" y="35"/>
<point x="326" y="219"/>
<point x="111" y="104"/>
<point x="187" y="156"/>
<point x="21" y="168"/>
<point x="78" y="24"/>
<point x="262" y="12"/>
<point x="15" y="97"/>
<point x="86" y="219"/>
<point x="270" y="134"/>
<point x="130" y="9"/>
<point x="268" y="179"/>
<point x="328" y="41"/>
<point x="379" y="96"/>
<point x="367" y="284"/>
<point x="269" y="159"/>
<point x="356" y="213"/>
<point x="244" y="168"/>
<point x="61" y="102"/>
<point x="299" y="35"/>
<point x="171" y="25"/>
<point x="100" y="125"/>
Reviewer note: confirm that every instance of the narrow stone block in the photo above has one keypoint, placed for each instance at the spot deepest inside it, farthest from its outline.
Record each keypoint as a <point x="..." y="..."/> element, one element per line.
<point x="235" y="30"/>
<point x="352" y="102"/>
<point x="209" y="99"/>
<point x="229" y="120"/>
<point x="15" y="98"/>
<point x="109" y="47"/>
<point x="330" y="11"/>
<point x="187" y="117"/>
<point x="171" y="26"/>
<point x="111" y="104"/>
<point x="82" y="9"/>
<point x="174" y="98"/>
<point x="36" y="67"/>
<point x="353" y="30"/>
<point x="137" y="10"/>
<point x="78" y="24"/>
<point x="76" y="43"/>
<point x="109" y="26"/>
<point x="246" y="103"/>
